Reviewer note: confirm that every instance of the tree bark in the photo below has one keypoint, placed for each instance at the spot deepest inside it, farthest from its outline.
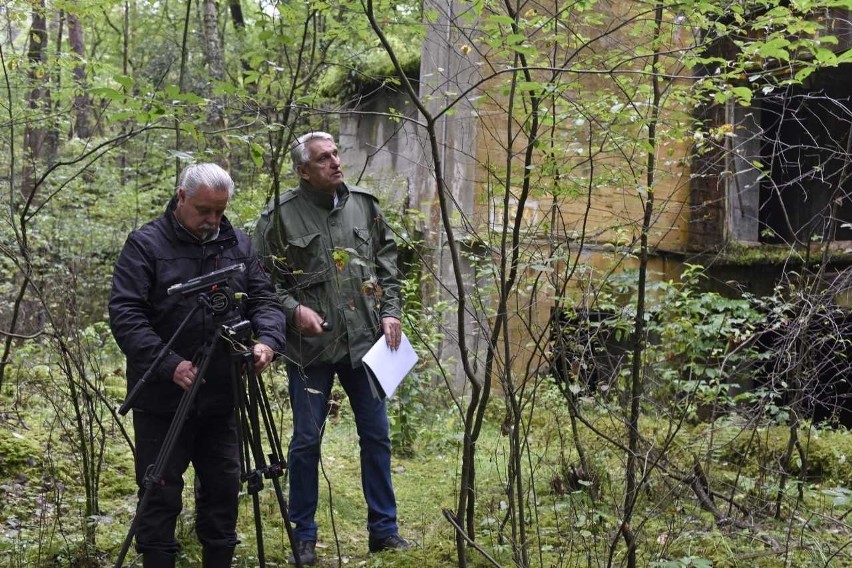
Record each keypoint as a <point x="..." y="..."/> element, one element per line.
<point x="214" y="53"/>
<point x="239" y="22"/>
<point x="237" y="14"/>
<point x="82" y="126"/>
<point x="36" y="134"/>
<point x="213" y="50"/>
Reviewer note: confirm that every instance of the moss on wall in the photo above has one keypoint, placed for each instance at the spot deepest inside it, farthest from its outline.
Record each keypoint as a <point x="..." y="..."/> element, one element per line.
<point x="369" y="69"/>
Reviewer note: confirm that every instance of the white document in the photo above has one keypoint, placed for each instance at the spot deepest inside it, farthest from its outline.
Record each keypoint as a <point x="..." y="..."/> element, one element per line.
<point x="387" y="367"/>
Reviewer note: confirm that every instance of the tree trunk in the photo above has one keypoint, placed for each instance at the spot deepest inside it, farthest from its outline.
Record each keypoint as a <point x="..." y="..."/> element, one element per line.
<point x="82" y="126"/>
<point x="634" y="477"/>
<point x="237" y="14"/>
<point x="239" y="22"/>
<point x="213" y="50"/>
<point x="36" y="134"/>
<point x="214" y="53"/>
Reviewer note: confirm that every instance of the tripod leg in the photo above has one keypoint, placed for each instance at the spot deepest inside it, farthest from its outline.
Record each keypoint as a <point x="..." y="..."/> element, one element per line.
<point x="128" y="540"/>
<point x="275" y="457"/>
<point x="248" y="448"/>
<point x="258" y="527"/>
<point x="278" y="464"/>
<point x="253" y="408"/>
<point x="285" y="514"/>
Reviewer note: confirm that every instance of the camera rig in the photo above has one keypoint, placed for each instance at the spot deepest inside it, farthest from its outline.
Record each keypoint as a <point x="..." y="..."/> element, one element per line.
<point x="254" y="417"/>
<point x="213" y="294"/>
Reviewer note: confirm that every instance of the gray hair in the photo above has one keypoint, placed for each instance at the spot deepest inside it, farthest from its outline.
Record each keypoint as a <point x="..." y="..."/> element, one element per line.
<point x="299" y="150"/>
<point x="209" y="175"/>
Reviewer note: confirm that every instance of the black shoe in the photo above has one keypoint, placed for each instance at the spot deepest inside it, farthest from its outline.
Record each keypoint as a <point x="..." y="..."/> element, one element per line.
<point x="392" y="542"/>
<point x="306" y="552"/>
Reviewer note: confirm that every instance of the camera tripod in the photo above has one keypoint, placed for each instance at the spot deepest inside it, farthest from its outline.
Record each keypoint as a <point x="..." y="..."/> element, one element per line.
<point x="254" y="420"/>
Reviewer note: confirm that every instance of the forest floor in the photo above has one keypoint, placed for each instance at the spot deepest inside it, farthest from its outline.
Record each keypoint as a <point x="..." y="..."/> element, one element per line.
<point x="566" y="523"/>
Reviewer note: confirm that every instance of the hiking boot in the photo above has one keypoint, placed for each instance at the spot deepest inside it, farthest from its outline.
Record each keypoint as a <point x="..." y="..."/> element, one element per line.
<point x="390" y="542"/>
<point x="306" y="551"/>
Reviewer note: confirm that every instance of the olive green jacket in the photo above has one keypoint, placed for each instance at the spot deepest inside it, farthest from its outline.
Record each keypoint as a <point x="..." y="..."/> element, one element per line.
<point x="338" y="260"/>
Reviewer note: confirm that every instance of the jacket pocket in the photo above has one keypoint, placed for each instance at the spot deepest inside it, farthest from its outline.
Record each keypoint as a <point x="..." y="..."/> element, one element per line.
<point x="370" y="291"/>
<point x="363" y="247"/>
<point x="307" y="261"/>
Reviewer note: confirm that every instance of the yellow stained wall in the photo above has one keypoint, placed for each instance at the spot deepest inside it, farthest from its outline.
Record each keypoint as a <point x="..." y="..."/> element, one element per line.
<point x="592" y="199"/>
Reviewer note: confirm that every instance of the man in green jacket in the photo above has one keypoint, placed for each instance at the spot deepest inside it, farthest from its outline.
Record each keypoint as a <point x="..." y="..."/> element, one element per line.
<point x="333" y="259"/>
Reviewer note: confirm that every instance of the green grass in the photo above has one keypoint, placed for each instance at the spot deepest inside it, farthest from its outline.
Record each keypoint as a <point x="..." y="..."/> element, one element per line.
<point x="423" y="488"/>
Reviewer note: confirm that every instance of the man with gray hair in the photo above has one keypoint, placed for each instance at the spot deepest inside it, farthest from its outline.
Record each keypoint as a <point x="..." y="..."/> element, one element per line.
<point x="192" y="238"/>
<point x="333" y="259"/>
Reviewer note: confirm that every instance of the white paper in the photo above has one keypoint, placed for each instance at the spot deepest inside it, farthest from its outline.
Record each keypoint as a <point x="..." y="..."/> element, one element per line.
<point x="389" y="367"/>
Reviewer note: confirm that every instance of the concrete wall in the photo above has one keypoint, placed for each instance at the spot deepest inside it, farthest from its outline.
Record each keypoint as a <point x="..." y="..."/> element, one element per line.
<point x="470" y="139"/>
<point x="373" y="145"/>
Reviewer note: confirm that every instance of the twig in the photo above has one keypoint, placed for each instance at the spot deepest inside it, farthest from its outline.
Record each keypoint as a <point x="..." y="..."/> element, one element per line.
<point x="20" y="335"/>
<point x="451" y="517"/>
<point x="698" y="482"/>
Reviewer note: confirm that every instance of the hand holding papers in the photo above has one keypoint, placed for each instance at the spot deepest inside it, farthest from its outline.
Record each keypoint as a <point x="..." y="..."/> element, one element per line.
<point x="387" y="367"/>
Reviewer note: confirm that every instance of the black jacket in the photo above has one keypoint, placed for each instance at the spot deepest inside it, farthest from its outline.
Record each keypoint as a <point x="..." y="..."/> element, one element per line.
<point x="143" y="316"/>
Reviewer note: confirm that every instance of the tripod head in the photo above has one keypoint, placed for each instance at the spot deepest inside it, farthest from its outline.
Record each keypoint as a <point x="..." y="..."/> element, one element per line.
<point x="213" y="292"/>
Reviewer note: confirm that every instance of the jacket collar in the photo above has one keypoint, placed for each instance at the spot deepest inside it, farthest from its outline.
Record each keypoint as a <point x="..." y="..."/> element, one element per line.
<point x="323" y="199"/>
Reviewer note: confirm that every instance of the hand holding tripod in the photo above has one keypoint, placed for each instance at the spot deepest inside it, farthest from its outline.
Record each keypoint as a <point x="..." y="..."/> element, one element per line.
<point x="253" y="413"/>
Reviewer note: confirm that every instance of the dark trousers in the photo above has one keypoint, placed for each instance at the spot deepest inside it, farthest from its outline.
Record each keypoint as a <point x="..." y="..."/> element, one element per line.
<point x="310" y="388"/>
<point x="210" y="444"/>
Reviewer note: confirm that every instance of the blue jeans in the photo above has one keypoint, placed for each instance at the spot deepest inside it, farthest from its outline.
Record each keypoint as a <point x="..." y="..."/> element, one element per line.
<point x="310" y="388"/>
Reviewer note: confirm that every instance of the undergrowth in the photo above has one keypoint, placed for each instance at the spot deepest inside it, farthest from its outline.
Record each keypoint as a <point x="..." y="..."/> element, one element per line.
<point x="571" y="521"/>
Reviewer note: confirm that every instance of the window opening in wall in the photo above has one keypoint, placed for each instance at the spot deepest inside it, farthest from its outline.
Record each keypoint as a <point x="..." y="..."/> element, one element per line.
<point x="805" y="150"/>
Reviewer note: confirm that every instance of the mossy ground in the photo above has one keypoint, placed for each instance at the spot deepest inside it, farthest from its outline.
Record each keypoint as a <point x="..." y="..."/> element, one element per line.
<point x="41" y="516"/>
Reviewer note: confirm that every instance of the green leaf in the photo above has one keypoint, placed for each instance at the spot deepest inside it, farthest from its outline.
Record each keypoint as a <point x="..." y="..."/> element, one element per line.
<point x="225" y="89"/>
<point x="501" y="19"/>
<point x="825" y="57"/>
<point x="840" y="496"/>
<point x="804" y="73"/>
<point x="257" y="152"/>
<point x="107" y="93"/>
<point x="123" y="115"/>
<point x="744" y="95"/>
<point x="775" y="48"/>
<point x="191" y="98"/>
<point x="251" y="77"/>
<point x="529" y="86"/>
<point x="124" y="81"/>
